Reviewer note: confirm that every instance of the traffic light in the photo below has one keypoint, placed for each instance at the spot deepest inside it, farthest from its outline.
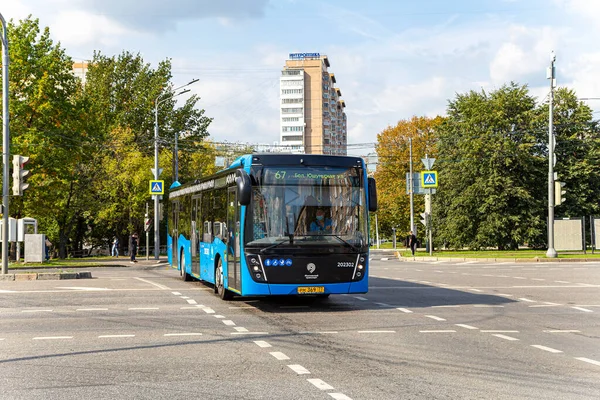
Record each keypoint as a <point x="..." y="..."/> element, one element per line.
<point x="425" y="220"/>
<point x="19" y="174"/>
<point x="559" y="192"/>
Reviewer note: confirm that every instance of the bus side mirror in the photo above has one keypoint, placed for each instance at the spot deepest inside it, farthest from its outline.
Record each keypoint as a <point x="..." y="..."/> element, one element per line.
<point x="372" y="195"/>
<point x="244" y="187"/>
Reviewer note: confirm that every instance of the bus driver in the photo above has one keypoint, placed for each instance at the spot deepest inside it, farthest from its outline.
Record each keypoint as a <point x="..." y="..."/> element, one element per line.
<point x="321" y="224"/>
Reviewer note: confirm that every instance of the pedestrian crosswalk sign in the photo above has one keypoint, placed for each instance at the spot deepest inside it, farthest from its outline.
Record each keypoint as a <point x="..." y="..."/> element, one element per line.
<point x="429" y="179"/>
<point x="157" y="187"/>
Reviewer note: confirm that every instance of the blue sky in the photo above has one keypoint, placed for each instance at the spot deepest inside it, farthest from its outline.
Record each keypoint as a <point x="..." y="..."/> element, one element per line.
<point x="392" y="59"/>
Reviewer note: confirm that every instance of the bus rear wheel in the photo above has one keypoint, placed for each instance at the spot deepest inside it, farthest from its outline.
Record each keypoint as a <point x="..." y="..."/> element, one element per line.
<point x="223" y="293"/>
<point x="184" y="275"/>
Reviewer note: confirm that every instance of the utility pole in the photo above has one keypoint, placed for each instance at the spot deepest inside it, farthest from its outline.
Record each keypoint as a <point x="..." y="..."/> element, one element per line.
<point x="411" y="190"/>
<point x="551" y="74"/>
<point x="5" y="147"/>
<point x="147" y="234"/>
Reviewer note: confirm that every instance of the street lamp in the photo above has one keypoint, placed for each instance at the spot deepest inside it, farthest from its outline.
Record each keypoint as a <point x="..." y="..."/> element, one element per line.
<point x="160" y="99"/>
<point x="6" y="146"/>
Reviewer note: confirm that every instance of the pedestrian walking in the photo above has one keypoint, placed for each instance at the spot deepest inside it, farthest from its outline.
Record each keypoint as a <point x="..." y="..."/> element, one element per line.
<point x="115" y="247"/>
<point x="412" y="242"/>
<point x="133" y="246"/>
<point x="47" y="245"/>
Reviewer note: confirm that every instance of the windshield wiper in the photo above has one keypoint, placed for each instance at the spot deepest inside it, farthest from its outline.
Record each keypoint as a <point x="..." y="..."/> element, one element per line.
<point x="290" y="240"/>
<point x="353" y="247"/>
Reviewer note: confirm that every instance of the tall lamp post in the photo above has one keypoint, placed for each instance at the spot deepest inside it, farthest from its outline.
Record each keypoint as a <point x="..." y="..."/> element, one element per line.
<point x="160" y="99"/>
<point x="5" y="146"/>
<point x="551" y="253"/>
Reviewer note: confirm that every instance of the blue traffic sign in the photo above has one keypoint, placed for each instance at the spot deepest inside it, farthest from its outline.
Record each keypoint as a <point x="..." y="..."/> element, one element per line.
<point x="157" y="187"/>
<point x="429" y="179"/>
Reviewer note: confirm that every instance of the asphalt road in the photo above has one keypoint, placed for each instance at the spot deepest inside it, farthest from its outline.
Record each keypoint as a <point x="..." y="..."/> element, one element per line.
<point x="441" y="330"/>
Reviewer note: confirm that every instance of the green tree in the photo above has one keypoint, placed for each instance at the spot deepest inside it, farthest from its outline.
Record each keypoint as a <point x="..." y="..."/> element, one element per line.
<point x="492" y="171"/>
<point x="48" y="117"/>
<point x="393" y="152"/>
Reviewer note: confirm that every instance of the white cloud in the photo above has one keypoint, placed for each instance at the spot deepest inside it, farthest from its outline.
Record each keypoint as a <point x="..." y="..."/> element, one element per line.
<point x="76" y="28"/>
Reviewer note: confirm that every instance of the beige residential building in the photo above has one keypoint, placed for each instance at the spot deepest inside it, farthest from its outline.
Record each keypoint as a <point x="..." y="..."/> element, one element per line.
<point x="312" y="117"/>
<point x="80" y="70"/>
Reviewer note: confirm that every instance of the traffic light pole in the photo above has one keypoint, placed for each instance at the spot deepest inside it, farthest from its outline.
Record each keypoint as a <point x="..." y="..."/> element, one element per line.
<point x="551" y="253"/>
<point x="5" y="147"/>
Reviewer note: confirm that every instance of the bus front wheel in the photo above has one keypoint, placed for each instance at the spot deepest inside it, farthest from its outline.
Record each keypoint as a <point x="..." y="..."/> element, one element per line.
<point x="219" y="282"/>
<point x="184" y="275"/>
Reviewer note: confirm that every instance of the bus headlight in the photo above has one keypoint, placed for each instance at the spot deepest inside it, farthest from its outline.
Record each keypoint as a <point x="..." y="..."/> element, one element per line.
<point x="360" y="267"/>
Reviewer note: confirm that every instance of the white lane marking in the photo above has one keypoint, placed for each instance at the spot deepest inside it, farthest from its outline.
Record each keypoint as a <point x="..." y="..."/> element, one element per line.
<point x="552" y="304"/>
<point x="543" y="305"/>
<point x="384" y="304"/>
<point x="279" y="355"/>
<point x="249" y="333"/>
<point x="527" y="300"/>
<point x="319" y="384"/>
<point x="445" y="306"/>
<point x="228" y="322"/>
<point x="404" y="310"/>
<point x="439" y="331"/>
<point x="488" y="306"/>
<point x="190" y="301"/>
<point x="240" y="329"/>
<point x="425" y="282"/>
<point x="442" y="284"/>
<point x="158" y="285"/>
<point x="548" y="349"/>
<point x="376" y="332"/>
<point x="299" y="369"/>
<point x="476" y="290"/>
<point x="505" y="294"/>
<point x="562" y="281"/>
<point x="142" y="308"/>
<point x="384" y="259"/>
<point x="436" y="318"/>
<point x="360" y="298"/>
<point x="537" y="279"/>
<point x="497" y="331"/>
<point x="184" y="297"/>
<point x="219" y="316"/>
<point x="176" y="293"/>
<point x="83" y="288"/>
<point x="1" y="338"/>
<point x="588" y="360"/>
<point x="466" y="326"/>
<point x="190" y="308"/>
<point x="208" y="310"/>
<point x="92" y="309"/>
<point x="519" y="277"/>
<point x="339" y="396"/>
<point x="32" y="311"/>
<point x="183" y="334"/>
<point x="562" y="331"/>
<point x="504" y="337"/>
<point x="114" y="336"/>
<point x="262" y="343"/>
<point x="582" y="309"/>
<point x="52" y="337"/>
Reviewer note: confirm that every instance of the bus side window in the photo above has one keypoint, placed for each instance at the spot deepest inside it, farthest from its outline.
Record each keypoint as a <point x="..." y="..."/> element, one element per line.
<point x="206" y="233"/>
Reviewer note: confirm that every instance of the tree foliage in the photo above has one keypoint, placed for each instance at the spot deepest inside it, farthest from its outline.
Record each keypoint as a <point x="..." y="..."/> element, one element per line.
<point x="393" y="151"/>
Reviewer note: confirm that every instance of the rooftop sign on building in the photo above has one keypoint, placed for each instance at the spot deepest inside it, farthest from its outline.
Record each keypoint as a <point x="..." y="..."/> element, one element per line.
<point x="300" y="56"/>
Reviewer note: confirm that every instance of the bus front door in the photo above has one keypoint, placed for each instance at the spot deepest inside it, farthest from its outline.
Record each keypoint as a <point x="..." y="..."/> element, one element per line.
<point x="174" y="235"/>
<point x="233" y="241"/>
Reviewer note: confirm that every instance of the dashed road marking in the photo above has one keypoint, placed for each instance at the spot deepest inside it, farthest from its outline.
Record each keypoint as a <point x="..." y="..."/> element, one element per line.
<point x="262" y="343"/>
<point x="339" y="396"/>
<point x="404" y="310"/>
<point x="439" y="331"/>
<point x="191" y="301"/>
<point x="299" y="369"/>
<point x="142" y="308"/>
<point x="383" y="304"/>
<point x="158" y="285"/>
<point x="183" y="334"/>
<point x="279" y="355"/>
<point x="240" y="329"/>
<point x="435" y="318"/>
<point x="219" y="316"/>
<point x="562" y="331"/>
<point x="208" y="310"/>
<point x="360" y="298"/>
<point x="92" y="309"/>
<point x="588" y="360"/>
<point x="497" y="331"/>
<point x="319" y="384"/>
<point x="52" y="337"/>
<point x="466" y="326"/>
<point x="504" y="337"/>
<point x="562" y="282"/>
<point x="176" y="293"/>
<point x="114" y="336"/>
<point x="376" y="331"/>
<point x="34" y="311"/>
<point x="476" y="290"/>
<point x="249" y="333"/>
<point x="453" y="306"/>
<point x="488" y="306"/>
<point x="582" y="309"/>
<point x="228" y="322"/>
<point x="537" y="279"/>
<point x="527" y="300"/>
<point x="548" y="349"/>
<point x="519" y="277"/>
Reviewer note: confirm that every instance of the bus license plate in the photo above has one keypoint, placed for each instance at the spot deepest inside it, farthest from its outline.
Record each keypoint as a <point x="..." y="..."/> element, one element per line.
<point x="311" y="289"/>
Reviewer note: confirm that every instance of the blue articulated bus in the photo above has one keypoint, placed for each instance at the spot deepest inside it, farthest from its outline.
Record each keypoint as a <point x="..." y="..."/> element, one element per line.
<point x="275" y="224"/>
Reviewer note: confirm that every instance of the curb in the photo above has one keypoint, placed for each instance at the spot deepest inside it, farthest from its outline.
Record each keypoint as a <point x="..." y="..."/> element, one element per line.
<point x="46" y="276"/>
<point x="516" y="260"/>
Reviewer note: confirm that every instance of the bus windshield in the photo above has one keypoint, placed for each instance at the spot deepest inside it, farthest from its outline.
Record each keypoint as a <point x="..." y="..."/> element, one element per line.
<point x="307" y="206"/>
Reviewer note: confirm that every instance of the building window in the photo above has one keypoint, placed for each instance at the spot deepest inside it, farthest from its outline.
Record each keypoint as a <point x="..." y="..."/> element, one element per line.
<point x="290" y="72"/>
<point x="290" y="119"/>
<point x="291" y="91"/>
<point x="291" y="138"/>
<point x="292" y="129"/>
<point x="291" y="101"/>
<point x="291" y="110"/>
